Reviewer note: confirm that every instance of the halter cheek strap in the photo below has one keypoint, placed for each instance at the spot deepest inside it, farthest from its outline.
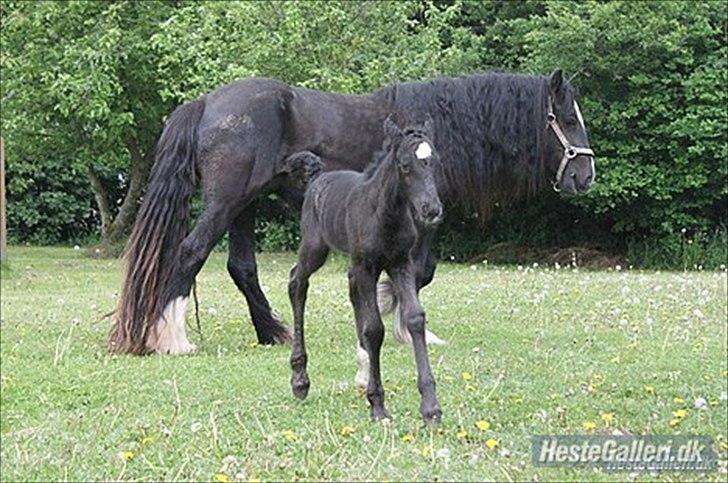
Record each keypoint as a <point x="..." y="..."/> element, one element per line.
<point x="570" y="151"/>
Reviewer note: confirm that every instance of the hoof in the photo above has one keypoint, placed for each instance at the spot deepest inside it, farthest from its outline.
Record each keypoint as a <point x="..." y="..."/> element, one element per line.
<point x="381" y="415"/>
<point x="179" y="349"/>
<point x="432" y="417"/>
<point x="300" y="385"/>
<point x="273" y="333"/>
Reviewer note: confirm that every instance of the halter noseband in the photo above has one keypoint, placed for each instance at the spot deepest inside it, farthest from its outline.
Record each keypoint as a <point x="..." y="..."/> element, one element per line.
<point x="570" y="151"/>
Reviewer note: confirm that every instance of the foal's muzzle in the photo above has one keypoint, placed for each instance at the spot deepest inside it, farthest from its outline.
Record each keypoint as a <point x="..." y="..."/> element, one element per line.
<point x="431" y="213"/>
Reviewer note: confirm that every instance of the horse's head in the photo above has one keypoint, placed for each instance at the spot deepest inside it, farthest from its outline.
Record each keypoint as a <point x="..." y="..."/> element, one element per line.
<point x="415" y="158"/>
<point x="568" y="154"/>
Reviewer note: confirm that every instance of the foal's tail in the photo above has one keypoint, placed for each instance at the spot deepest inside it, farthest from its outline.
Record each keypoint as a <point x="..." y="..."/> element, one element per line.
<point x="161" y="225"/>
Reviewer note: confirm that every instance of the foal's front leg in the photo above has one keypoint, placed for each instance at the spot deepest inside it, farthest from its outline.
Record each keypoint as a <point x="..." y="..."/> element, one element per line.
<point x="413" y="315"/>
<point x="369" y="327"/>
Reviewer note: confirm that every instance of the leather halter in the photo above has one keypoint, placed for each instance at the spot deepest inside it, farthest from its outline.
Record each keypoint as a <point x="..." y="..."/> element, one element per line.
<point x="570" y="151"/>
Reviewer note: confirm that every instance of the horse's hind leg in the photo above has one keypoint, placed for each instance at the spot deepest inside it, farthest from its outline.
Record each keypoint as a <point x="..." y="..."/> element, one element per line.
<point x="310" y="258"/>
<point x="244" y="272"/>
<point x="370" y="330"/>
<point x="170" y="336"/>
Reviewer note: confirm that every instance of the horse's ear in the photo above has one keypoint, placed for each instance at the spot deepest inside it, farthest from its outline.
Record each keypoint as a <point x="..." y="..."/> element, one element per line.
<point x="555" y="81"/>
<point x="391" y="129"/>
<point x="430" y="126"/>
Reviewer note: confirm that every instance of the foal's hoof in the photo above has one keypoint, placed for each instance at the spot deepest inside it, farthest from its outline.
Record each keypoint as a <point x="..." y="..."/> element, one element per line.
<point x="300" y="385"/>
<point x="381" y="415"/>
<point x="432" y="417"/>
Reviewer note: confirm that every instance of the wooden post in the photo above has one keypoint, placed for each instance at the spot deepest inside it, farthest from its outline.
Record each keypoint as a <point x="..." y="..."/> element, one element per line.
<point x="3" y="212"/>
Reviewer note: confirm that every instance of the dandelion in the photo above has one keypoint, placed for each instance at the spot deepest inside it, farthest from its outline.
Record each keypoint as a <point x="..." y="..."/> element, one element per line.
<point x="462" y="434"/>
<point x="678" y="400"/>
<point x="680" y="413"/>
<point x="127" y="455"/>
<point x="589" y="425"/>
<point x="491" y="443"/>
<point x="408" y="438"/>
<point x="426" y="451"/>
<point x="674" y="422"/>
<point x="222" y="478"/>
<point x="650" y="390"/>
<point x="147" y="440"/>
<point x="467" y="376"/>
<point x="289" y="435"/>
<point x="723" y="445"/>
<point x="608" y="418"/>
<point x="346" y="431"/>
<point x="483" y="425"/>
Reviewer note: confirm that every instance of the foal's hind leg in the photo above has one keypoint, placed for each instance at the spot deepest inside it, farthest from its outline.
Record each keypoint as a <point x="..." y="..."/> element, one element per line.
<point x="310" y="258"/>
<point x="362" y="292"/>
<point x="244" y="272"/>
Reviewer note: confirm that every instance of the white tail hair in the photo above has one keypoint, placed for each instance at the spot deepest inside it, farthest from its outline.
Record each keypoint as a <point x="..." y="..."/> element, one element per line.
<point x="387" y="303"/>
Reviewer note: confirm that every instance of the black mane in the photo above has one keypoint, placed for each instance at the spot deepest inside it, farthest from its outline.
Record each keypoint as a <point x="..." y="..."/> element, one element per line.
<point x="489" y="133"/>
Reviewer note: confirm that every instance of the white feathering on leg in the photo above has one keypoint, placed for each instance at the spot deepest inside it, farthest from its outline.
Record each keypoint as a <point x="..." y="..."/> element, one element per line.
<point x="385" y="297"/>
<point x="171" y="336"/>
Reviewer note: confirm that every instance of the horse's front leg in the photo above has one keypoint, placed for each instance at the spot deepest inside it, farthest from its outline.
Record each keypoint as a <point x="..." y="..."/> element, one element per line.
<point x="244" y="271"/>
<point x="413" y="315"/>
<point x="370" y="330"/>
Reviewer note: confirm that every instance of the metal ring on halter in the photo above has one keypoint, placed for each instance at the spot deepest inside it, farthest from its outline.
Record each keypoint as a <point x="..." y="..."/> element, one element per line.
<point x="570" y="153"/>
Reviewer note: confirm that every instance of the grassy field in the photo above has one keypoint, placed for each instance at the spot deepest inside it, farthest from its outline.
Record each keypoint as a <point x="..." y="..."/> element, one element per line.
<point x="531" y="351"/>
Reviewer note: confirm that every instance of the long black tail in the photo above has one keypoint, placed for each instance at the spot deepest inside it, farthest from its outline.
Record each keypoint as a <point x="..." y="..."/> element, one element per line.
<point x="160" y="227"/>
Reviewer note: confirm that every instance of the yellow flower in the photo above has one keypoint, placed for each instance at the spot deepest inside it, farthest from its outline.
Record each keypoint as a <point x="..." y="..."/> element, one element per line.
<point x="467" y="376"/>
<point x="408" y="438"/>
<point x="674" y="422"/>
<point x="462" y="434"/>
<point x="147" y="440"/>
<point x="289" y="435"/>
<point x="589" y="425"/>
<point x="723" y="445"/>
<point x="678" y="400"/>
<point x="222" y="478"/>
<point x="346" y="431"/>
<point x="650" y="390"/>
<point x="608" y="418"/>
<point x="680" y="413"/>
<point x="426" y="450"/>
<point x="491" y="443"/>
<point x="483" y="425"/>
<point x="127" y="455"/>
<point x="615" y="360"/>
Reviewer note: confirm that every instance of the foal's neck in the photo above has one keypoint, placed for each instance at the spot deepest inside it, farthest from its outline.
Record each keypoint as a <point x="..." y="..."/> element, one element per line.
<point x="386" y="191"/>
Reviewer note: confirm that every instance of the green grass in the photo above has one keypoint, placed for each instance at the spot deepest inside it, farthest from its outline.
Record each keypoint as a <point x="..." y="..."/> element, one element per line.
<point x="547" y="350"/>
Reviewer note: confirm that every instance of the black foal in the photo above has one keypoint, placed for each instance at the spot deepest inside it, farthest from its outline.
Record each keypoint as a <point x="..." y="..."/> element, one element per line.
<point x="373" y="217"/>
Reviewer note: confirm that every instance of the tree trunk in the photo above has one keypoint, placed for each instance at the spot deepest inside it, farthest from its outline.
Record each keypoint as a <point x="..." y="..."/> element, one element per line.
<point x="101" y="200"/>
<point x="114" y="229"/>
<point x="140" y="164"/>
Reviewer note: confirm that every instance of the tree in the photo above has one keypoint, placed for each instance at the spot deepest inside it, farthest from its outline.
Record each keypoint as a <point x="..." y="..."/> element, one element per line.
<point x="80" y="101"/>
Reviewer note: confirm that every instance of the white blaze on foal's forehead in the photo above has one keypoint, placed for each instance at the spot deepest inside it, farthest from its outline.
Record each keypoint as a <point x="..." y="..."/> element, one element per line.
<point x="423" y="150"/>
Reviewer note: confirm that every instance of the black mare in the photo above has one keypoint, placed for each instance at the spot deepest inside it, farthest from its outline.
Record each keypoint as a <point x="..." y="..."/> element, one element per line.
<point x="374" y="217"/>
<point x="492" y="132"/>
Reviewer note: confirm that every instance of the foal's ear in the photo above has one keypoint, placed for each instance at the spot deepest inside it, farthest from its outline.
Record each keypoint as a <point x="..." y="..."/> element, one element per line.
<point x="555" y="81"/>
<point x="391" y="129"/>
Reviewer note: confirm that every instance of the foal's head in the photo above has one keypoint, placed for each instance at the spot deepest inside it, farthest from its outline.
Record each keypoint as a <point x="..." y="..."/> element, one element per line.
<point x="415" y="158"/>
